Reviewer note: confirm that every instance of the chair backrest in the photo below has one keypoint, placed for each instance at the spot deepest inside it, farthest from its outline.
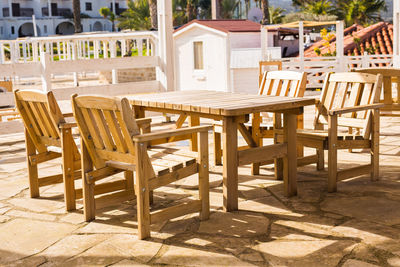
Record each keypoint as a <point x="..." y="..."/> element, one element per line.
<point x="389" y="75"/>
<point x="349" y="89"/>
<point x="41" y="116"/>
<point x="264" y="65"/>
<point x="283" y="83"/>
<point x="107" y="125"/>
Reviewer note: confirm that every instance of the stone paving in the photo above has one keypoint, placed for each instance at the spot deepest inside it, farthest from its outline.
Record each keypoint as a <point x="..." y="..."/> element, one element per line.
<point x="357" y="226"/>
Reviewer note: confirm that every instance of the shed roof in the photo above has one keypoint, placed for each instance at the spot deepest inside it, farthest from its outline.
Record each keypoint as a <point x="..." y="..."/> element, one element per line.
<point x="226" y="25"/>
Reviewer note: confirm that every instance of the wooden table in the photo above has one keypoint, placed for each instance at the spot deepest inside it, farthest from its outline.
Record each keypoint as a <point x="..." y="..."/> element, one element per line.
<point x="233" y="110"/>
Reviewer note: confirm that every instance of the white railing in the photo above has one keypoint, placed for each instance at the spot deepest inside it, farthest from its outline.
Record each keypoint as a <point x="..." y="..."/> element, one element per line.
<point x="317" y="67"/>
<point x="83" y="46"/>
<point x="49" y="56"/>
<point x="46" y="68"/>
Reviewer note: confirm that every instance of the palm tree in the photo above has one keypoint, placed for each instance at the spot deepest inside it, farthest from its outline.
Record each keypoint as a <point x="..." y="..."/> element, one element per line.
<point x="136" y="17"/>
<point x="153" y="13"/>
<point x="362" y="11"/>
<point x="107" y="13"/>
<point x="265" y="11"/>
<point x="227" y="8"/>
<point x="76" y="6"/>
<point x="321" y="7"/>
<point x="191" y="9"/>
<point x="276" y="14"/>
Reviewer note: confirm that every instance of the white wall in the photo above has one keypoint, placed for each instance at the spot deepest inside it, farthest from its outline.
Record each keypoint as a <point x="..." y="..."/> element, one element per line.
<point x="245" y="40"/>
<point x="245" y="80"/>
<point x="214" y="75"/>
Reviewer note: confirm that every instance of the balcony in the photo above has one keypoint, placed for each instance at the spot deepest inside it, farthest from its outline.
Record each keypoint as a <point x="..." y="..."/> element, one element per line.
<point x="64" y="12"/>
<point x="18" y="12"/>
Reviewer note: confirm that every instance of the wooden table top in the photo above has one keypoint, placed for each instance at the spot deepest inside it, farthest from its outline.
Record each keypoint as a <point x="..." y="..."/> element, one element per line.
<point x="218" y="103"/>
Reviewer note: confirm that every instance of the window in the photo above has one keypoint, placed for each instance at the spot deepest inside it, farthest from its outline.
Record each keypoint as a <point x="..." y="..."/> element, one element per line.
<point x="88" y="6"/>
<point x="198" y="55"/>
<point x="12" y="30"/>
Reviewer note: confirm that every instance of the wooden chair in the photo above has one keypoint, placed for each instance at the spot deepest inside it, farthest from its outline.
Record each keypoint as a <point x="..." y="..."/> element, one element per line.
<point x="389" y="76"/>
<point x="274" y="83"/>
<point x="48" y="136"/>
<point x="263" y="65"/>
<point x="348" y="100"/>
<point x="111" y="142"/>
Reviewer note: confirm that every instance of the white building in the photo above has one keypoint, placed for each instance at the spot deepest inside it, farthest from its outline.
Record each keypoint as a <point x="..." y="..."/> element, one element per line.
<point x="204" y="50"/>
<point x="52" y="16"/>
<point x="224" y="55"/>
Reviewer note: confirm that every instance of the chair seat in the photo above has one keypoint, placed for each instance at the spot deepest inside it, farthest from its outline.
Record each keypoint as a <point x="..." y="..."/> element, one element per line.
<point x="323" y="135"/>
<point x="163" y="159"/>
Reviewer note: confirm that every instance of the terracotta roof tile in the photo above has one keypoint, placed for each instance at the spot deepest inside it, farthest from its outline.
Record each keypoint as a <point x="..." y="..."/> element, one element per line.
<point x="376" y="39"/>
<point x="227" y="25"/>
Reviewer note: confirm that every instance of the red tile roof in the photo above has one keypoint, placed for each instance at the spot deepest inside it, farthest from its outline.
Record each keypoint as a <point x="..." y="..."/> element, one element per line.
<point x="376" y="39"/>
<point x="227" y="25"/>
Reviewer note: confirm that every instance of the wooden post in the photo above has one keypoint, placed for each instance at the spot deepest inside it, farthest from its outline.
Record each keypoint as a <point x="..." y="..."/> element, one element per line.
<point x="375" y="145"/>
<point x="88" y="188"/>
<point x="68" y="169"/>
<point x="46" y="74"/>
<point x="215" y="12"/>
<point x="340" y="45"/>
<point x="32" y="168"/>
<point x="204" y="187"/>
<point x="264" y="42"/>
<point x="396" y="34"/>
<point x="165" y="73"/>
<point x="301" y="45"/>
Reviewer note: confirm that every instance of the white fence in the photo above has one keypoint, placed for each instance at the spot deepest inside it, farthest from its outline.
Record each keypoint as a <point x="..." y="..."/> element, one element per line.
<point x="317" y="67"/>
<point x="46" y="57"/>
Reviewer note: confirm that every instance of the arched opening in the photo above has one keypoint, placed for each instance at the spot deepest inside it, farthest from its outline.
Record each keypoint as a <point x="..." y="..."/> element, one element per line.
<point x="65" y="28"/>
<point x="26" y="30"/>
<point x="97" y="27"/>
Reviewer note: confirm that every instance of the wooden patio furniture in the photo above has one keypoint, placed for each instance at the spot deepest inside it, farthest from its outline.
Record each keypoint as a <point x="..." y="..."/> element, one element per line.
<point x="389" y="76"/>
<point x="48" y="136"/>
<point x="273" y="83"/>
<point x="111" y="142"/>
<point x="348" y="100"/>
<point x="262" y="65"/>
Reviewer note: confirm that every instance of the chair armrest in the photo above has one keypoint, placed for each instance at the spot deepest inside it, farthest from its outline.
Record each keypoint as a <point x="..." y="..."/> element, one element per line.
<point x="66" y="115"/>
<point x="68" y="125"/>
<point x="355" y="109"/>
<point x="170" y="133"/>
<point x="143" y="121"/>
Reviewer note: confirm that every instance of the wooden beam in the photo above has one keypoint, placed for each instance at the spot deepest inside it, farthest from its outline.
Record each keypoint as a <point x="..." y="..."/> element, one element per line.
<point x="175" y="211"/>
<point x="353" y="172"/>
<point x="261" y="154"/>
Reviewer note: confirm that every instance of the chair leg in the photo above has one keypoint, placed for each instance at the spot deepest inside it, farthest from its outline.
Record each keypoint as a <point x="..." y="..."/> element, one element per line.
<point x="89" y="205"/>
<point x="256" y="134"/>
<point x="320" y="159"/>
<point x="68" y="169"/>
<point x="375" y="145"/>
<point x="32" y="168"/>
<point x="332" y="153"/>
<point x="300" y="125"/>
<point x="204" y="186"/>
<point x="217" y="149"/>
<point x="142" y="191"/>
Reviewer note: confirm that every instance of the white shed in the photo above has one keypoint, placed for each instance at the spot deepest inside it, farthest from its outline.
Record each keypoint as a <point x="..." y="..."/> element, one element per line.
<point x="206" y="52"/>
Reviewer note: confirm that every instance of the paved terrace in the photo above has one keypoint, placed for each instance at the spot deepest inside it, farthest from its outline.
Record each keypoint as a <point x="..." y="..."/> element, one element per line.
<point x="357" y="226"/>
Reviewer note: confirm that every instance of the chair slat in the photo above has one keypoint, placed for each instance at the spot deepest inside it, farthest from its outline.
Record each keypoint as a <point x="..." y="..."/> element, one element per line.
<point x="285" y="88"/>
<point x="103" y="129"/>
<point x="125" y="132"/>
<point x="27" y="113"/>
<point x="92" y="129"/>
<point x="38" y="116"/>
<point x="47" y="120"/>
<point x="116" y="131"/>
<point x="354" y="99"/>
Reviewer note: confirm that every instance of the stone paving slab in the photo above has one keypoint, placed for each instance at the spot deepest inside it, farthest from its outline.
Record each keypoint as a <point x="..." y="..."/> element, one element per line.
<point x="357" y="226"/>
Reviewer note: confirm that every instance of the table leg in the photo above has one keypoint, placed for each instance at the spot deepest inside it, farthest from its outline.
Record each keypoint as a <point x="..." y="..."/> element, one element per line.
<point x="230" y="163"/>
<point x="194" y="121"/>
<point x="278" y="161"/>
<point x="256" y="134"/>
<point x="290" y="161"/>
